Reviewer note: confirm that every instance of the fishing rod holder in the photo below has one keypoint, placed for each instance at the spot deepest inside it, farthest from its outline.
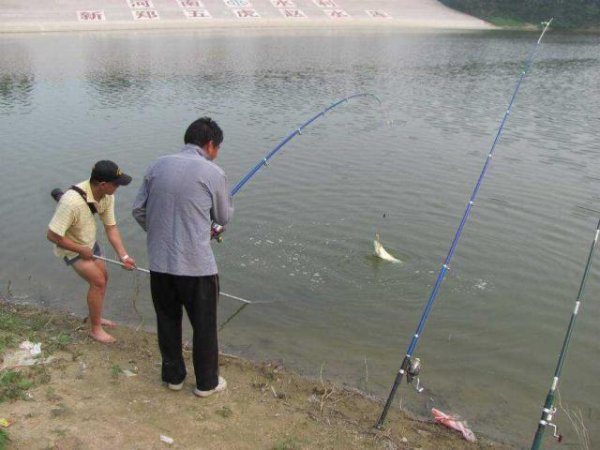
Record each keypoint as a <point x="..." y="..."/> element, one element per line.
<point x="412" y="372"/>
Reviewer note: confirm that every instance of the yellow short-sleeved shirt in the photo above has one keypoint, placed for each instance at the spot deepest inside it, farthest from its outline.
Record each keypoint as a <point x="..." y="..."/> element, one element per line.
<point x="74" y="220"/>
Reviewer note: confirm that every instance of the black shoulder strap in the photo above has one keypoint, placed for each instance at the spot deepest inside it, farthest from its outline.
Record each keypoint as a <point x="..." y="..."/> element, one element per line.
<point x="84" y="197"/>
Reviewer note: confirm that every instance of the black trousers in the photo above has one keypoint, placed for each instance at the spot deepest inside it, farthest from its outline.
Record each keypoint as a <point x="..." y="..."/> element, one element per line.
<point x="199" y="296"/>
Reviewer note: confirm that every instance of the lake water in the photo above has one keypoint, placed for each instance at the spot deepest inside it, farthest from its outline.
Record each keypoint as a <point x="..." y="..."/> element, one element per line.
<point x="301" y="239"/>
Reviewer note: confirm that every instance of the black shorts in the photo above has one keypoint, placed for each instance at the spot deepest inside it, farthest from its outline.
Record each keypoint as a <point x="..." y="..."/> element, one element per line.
<point x="97" y="252"/>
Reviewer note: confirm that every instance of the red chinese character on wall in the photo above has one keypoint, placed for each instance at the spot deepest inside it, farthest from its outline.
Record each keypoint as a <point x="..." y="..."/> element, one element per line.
<point x="246" y="13"/>
<point x="145" y="15"/>
<point x="283" y="3"/>
<point x="197" y="14"/>
<point x="190" y="3"/>
<point x="337" y="13"/>
<point x="90" y="15"/>
<point x="140" y="4"/>
<point x="292" y="13"/>
<point x="326" y="3"/>
<point x="378" y="14"/>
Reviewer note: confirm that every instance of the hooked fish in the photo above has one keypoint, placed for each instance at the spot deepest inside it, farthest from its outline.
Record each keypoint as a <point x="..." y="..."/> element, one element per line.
<point x="453" y="423"/>
<point x="381" y="252"/>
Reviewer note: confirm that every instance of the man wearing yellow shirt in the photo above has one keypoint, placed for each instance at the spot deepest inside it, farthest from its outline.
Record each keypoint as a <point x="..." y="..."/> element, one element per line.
<point x="73" y="230"/>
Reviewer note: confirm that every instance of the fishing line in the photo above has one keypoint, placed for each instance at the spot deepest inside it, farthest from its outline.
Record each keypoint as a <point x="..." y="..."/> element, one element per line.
<point x="264" y="162"/>
<point x="411" y="367"/>
<point x="549" y="409"/>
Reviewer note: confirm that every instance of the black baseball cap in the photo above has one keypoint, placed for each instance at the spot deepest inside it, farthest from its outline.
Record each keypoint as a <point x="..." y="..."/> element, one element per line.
<point x="108" y="171"/>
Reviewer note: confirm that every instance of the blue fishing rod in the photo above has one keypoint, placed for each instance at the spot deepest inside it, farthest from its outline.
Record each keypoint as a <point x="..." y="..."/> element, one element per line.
<point x="549" y="410"/>
<point x="217" y="229"/>
<point x="264" y="162"/>
<point x="410" y="367"/>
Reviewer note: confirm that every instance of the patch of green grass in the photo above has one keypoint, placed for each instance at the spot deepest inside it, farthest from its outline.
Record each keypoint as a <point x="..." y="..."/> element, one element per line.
<point x="40" y="374"/>
<point x="7" y="342"/>
<point x="115" y="371"/>
<point x="9" y="322"/>
<point x="288" y="444"/>
<point x="64" y="339"/>
<point x="12" y="385"/>
<point x="52" y="395"/>
<point x="3" y="439"/>
<point x="225" y="412"/>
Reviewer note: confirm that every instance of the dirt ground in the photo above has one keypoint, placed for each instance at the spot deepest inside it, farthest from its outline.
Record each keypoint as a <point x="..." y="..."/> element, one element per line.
<point x="93" y="396"/>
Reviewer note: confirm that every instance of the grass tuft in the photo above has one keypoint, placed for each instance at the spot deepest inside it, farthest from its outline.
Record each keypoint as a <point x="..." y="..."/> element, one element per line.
<point x="12" y="385"/>
<point x="3" y="439"/>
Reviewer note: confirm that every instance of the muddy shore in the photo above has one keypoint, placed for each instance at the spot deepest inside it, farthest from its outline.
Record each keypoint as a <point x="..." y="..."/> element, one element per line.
<point x="93" y="396"/>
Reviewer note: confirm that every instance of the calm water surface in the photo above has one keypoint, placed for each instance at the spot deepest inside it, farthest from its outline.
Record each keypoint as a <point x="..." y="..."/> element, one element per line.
<point x="302" y="236"/>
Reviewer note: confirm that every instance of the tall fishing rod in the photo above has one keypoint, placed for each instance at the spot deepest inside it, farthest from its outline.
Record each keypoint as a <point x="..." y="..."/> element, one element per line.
<point x="549" y="410"/>
<point x="412" y="367"/>
<point x="264" y="161"/>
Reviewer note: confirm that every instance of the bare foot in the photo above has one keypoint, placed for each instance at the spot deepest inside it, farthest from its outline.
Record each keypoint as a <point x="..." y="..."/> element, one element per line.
<point x="107" y="323"/>
<point x="101" y="336"/>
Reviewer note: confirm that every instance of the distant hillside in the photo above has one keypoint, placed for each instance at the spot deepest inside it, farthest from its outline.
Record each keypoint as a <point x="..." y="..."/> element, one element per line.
<point x="569" y="14"/>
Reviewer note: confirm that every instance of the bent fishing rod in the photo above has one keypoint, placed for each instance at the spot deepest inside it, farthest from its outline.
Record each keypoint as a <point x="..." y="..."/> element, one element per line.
<point x="411" y="367"/>
<point x="216" y="229"/>
<point x="549" y="410"/>
<point x="264" y="161"/>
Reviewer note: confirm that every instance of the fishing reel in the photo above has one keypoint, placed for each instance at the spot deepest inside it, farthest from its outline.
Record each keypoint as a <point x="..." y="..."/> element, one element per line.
<point x="412" y="372"/>
<point x="548" y="422"/>
<point x="216" y="231"/>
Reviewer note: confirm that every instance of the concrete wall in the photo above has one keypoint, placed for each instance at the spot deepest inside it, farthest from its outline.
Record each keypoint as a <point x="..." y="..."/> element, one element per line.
<point x="57" y="15"/>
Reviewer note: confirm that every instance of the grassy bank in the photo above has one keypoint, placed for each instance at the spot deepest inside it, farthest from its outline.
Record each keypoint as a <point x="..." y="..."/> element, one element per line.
<point x="581" y="15"/>
<point x="93" y="396"/>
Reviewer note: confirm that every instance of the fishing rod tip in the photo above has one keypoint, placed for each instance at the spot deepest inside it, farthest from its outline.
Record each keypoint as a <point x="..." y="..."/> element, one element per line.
<point x="546" y="23"/>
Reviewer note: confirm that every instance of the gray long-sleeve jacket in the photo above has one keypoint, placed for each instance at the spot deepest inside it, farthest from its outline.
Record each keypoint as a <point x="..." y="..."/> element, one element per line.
<point x="179" y="198"/>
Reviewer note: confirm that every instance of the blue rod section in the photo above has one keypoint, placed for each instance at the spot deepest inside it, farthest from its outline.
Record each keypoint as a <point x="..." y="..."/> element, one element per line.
<point x="446" y="265"/>
<point x="297" y="131"/>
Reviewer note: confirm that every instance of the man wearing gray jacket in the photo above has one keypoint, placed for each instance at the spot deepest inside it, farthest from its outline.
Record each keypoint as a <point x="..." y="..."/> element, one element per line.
<point x="182" y="196"/>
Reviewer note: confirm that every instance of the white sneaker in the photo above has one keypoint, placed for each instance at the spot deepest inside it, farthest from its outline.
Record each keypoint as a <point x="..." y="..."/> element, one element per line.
<point x="220" y="387"/>
<point x="175" y="387"/>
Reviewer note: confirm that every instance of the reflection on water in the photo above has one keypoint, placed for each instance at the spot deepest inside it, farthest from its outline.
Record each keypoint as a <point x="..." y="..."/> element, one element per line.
<point x="16" y="78"/>
<point x="15" y="90"/>
<point x="302" y="236"/>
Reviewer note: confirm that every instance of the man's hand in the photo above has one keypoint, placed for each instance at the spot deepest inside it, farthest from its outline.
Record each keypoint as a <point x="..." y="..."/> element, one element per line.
<point x="86" y="253"/>
<point x="128" y="262"/>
